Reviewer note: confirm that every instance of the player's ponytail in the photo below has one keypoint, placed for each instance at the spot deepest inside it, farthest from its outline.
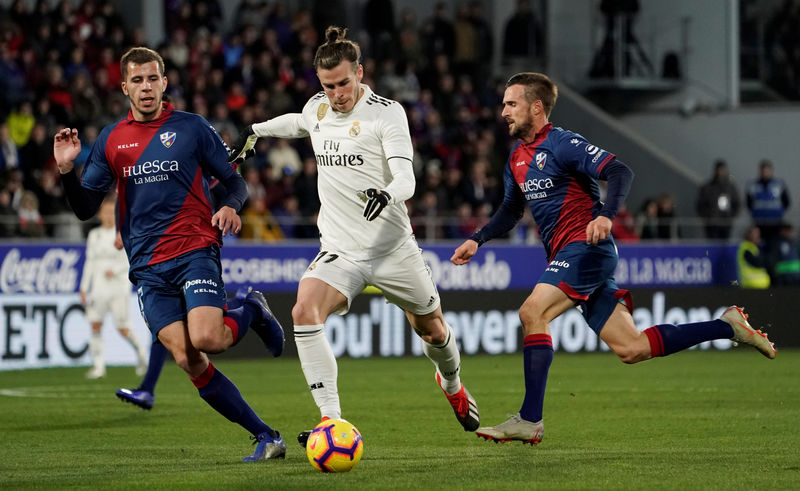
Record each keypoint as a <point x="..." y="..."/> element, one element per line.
<point x="337" y="49"/>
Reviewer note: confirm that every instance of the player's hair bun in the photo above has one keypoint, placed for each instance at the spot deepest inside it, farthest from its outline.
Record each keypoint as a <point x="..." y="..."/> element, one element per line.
<point x="334" y="34"/>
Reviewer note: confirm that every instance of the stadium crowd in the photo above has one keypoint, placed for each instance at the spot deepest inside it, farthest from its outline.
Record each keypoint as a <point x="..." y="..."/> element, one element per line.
<point x="59" y="66"/>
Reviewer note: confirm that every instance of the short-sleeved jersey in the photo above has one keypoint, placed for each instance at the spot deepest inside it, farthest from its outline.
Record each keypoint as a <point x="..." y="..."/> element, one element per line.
<point x="556" y="175"/>
<point x="161" y="168"/>
<point x="353" y="152"/>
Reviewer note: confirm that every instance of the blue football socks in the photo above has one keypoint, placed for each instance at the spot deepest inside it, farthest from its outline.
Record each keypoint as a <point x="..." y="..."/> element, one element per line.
<point x="666" y="339"/>
<point x="158" y="355"/>
<point x="222" y="395"/>
<point x="537" y="357"/>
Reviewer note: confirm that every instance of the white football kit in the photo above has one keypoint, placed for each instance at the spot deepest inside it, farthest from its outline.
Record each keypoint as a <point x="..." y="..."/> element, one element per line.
<point x="106" y="294"/>
<point x="368" y="147"/>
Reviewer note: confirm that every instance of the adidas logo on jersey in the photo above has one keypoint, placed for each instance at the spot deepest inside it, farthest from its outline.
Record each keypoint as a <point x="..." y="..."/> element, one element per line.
<point x="316" y="128"/>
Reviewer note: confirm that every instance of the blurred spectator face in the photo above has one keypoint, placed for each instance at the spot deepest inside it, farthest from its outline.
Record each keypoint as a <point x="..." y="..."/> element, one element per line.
<point x="29" y="201"/>
<point x="765" y="171"/>
<point x="106" y="213"/>
<point x="342" y="85"/>
<point x="754" y="235"/>
<point x="144" y="87"/>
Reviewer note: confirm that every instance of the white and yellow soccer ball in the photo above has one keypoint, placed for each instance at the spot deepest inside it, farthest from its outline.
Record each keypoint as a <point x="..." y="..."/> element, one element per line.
<point x="335" y="445"/>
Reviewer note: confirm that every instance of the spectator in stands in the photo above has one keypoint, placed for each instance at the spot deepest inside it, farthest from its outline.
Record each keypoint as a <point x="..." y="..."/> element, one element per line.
<point x="305" y="189"/>
<point x="624" y="227"/>
<point x="668" y="226"/>
<point x="784" y="260"/>
<point x="750" y="260"/>
<point x="36" y="155"/>
<point x="283" y="157"/>
<point x="647" y="220"/>
<point x="523" y="38"/>
<point x="408" y="37"/>
<point x="484" y="44"/>
<point x="718" y="202"/>
<point x="768" y="199"/>
<point x="9" y="153"/>
<point x="31" y="224"/>
<point x="257" y="222"/>
<point x="378" y="18"/>
<point x="20" y="123"/>
<point x="8" y="217"/>
<point x="86" y="106"/>
<point x="438" y="34"/>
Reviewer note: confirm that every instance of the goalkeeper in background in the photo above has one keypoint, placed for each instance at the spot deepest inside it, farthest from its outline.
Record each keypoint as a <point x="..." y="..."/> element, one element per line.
<point x="364" y="153"/>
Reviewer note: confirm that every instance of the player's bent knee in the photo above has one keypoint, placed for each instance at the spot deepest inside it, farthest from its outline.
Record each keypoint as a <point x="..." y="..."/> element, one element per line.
<point x="305" y="314"/>
<point x="208" y="342"/>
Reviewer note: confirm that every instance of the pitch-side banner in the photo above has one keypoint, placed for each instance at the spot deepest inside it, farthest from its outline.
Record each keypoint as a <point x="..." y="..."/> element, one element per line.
<point x="50" y="330"/>
<point x="48" y="269"/>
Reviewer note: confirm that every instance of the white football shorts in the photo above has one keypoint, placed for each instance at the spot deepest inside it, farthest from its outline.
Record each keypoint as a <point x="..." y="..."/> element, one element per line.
<point x="402" y="275"/>
<point x="116" y="301"/>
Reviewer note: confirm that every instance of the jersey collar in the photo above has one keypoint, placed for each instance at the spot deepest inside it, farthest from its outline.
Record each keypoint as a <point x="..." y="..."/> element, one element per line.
<point x="166" y="111"/>
<point x="539" y="136"/>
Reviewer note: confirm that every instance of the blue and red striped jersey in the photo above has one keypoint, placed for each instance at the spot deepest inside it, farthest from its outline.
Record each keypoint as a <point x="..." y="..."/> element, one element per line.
<point x="162" y="170"/>
<point x="556" y="175"/>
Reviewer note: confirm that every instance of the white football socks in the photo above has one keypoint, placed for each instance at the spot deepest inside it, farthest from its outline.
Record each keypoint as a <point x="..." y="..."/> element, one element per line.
<point x="131" y="337"/>
<point x="96" y="350"/>
<point x="447" y="360"/>
<point x="319" y="367"/>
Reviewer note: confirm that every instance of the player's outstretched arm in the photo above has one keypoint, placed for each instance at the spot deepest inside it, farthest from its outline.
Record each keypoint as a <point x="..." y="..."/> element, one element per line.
<point x="464" y="252"/>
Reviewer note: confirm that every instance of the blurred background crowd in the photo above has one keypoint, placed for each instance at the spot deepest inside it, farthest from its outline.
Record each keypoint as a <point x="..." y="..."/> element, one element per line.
<point x="59" y="66"/>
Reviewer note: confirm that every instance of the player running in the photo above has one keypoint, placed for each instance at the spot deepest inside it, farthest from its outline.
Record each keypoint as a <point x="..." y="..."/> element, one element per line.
<point x="161" y="161"/>
<point x="555" y="171"/>
<point x="363" y="149"/>
<point x="105" y="289"/>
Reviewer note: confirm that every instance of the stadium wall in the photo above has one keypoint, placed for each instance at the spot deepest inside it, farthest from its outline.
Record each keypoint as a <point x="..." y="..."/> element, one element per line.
<point x="42" y="322"/>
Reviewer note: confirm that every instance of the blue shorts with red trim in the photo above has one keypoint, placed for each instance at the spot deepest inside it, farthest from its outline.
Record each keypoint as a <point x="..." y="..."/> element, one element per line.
<point x="170" y="289"/>
<point x="585" y="273"/>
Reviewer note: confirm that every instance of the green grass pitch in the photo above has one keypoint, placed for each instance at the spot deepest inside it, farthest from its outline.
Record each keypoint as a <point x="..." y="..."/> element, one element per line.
<point x="695" y="420"/>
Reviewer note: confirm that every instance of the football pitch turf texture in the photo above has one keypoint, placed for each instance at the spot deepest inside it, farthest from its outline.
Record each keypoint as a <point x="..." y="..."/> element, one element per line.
<point x="695" y="420"/>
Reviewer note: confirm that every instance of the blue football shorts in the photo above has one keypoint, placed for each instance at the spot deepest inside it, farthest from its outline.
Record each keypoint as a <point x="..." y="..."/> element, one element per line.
<point x="170" y="289"/>
<point x="585" y="273"/>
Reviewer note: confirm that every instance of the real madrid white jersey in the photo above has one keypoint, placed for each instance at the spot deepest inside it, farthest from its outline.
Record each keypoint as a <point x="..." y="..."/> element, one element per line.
<point x="102" y="256"/>
<point x="353" y="151"/>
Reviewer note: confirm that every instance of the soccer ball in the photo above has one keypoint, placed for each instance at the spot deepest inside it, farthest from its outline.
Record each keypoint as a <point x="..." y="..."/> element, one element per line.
<point x="335" y="445"/>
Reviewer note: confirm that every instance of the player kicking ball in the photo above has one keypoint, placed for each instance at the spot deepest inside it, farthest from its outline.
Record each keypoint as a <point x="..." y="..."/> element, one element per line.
<point x="555" y="172"/>
<point x="364" y="153"/>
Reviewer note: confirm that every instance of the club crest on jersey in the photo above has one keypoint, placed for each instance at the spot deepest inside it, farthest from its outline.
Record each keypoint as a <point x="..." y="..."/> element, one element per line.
<point x="541" y="159"/>
<point x="355" y="129"/>
<point x="321" y="111"/>
<point x="168" y="138"/>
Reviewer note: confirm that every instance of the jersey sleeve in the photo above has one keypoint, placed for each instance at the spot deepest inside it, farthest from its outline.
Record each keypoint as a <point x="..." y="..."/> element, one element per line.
<point x="97" y="174"/>
<point x="577" y="154"/>
<point x="394" y="134"/>
<point x="213" y="151"/>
